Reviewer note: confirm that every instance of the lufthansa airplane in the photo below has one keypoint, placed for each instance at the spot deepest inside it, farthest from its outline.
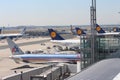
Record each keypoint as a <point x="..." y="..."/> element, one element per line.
<point x="80" y="31"/>
<point x="19" y="56"/>
<point x="59" y="39"/>
<point x="100" y="32"/>
<point x="3" y="36"/>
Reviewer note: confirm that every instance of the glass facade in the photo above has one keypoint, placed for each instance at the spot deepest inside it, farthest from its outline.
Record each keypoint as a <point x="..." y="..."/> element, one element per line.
<point x="105" y="47"/>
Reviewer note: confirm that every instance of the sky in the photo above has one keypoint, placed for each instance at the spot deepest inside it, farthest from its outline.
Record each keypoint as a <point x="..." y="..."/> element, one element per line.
<point x="57" y="12"/>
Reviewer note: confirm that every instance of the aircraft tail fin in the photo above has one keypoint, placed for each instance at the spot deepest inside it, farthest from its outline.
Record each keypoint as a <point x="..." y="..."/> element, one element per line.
<point x="99" y="29"/>
<point x="23" y="30"/>
<point x="0" y="31"/>
<point x="14" y="48"/>
<point x="79" y="31"/>
<point x="54" y="35"/>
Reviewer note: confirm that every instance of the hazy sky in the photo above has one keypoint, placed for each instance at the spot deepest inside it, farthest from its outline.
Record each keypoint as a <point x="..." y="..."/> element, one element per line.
<point x="57" y="12"/>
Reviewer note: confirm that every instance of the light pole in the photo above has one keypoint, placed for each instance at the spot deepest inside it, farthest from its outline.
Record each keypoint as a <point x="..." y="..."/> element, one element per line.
<point x="93" y="25"/>
<point x="118" y="13"/>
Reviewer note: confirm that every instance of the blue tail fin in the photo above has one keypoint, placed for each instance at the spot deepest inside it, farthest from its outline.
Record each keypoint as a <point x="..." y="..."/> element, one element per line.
<point x="0" y="31"/>
<point x="54" y="35"/>
<point x="99" y="29"/>
<point x="79" y="31"/>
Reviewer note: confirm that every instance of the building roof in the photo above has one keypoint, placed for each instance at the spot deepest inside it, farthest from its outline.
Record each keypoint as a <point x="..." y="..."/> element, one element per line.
<point x="106" y="69"/>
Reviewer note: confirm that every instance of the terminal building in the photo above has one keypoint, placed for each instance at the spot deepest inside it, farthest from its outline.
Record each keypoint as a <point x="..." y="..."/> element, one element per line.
<point x="106" y="46"/>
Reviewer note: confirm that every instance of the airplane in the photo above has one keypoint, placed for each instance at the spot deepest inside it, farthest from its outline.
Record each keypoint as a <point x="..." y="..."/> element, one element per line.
<point x="19" y="56"/>
<point x="80" y="31"/>
<point x="59" y="39"/>
<point x="3" y="36"/>
<point x="101" y="32"/>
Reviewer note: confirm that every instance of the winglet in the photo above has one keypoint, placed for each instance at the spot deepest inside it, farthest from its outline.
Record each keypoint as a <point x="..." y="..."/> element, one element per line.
<point x="79" y="31"/>
<point x="99" y="29"/>
<point x="54" y="35"/>
<point x="14" y="48"/>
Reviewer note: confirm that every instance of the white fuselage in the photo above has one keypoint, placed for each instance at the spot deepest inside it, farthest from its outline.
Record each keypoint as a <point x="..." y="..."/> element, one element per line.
<point x="10" y="35"/>
<point x="45" y="58"/>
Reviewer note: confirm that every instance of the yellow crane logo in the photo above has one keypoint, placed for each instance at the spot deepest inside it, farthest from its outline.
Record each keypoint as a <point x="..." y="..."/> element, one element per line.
<point x="79" y="32"/>
<point x="98" y="28"/>
<point x="53" y="34"/>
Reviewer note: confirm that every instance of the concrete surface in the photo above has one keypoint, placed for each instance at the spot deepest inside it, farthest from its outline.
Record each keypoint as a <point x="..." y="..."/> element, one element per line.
<point x="7" y="66"/>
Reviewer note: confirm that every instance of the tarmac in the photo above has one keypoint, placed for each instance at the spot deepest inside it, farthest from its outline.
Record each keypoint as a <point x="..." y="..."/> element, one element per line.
<point x="8" y="66"/>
